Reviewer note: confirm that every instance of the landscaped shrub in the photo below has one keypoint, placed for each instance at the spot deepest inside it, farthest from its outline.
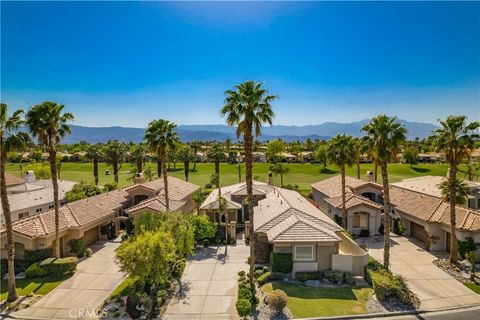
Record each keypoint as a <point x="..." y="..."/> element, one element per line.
<point x="258" y="273"/>
<point x="281" y="262"/>
<point x="32" y="256"/>
<point x="244" y="293"/>
<point x="89" y="252"/>
<point x="179" y="268"/>
<point x="334" y="276"/>
<point x="20" y="266"/>
<point x="266" y="269"/>
<point x="305" y="276"/>
<point x="385" y="284"/>
<point x="398" y="227"/>
<point x="277" y="300"/>
<point x="466" y="246"/>
<point x="338" y="219"/>
<point x="59" y="266"/>
<point x="348" y="277"/>
<point x="206" y="243"/>
<point x="264" y="278"/>
<point x="108" y="230"/>
<point x="241" y="273"/>
<point x="276" y="276"/>
<point x="244" y="307"/>
<point x="77" y="246"/>
<point x="131" y="307"/>
<point x="381" y="228"/>
<point x="35" y="271"/>
<point x="371" y="265"/>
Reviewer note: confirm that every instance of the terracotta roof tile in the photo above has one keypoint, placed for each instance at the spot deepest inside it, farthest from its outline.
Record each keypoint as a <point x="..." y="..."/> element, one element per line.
<point x="12" y="179"/>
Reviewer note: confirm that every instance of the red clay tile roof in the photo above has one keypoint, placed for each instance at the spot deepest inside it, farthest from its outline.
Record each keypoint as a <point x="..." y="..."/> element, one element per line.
<point x="466" y="218"/>
<point x="332" y="187"/>
<point x="156" y="203"/>
<point x="352" y="200"/>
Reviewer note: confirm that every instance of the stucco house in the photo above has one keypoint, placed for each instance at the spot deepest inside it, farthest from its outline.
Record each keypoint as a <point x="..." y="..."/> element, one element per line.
<point x="29" y="196"/>
<point x="423" y="213"/>
<point x="84" y="218"/>
<point x="286" y="222"/>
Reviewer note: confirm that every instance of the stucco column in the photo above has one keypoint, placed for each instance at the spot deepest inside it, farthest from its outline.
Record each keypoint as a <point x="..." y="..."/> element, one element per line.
<point x="372" y="226"/>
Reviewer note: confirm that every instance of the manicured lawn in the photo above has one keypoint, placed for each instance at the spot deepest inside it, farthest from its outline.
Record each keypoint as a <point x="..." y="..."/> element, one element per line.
<point x="40" y="286"/>
<point x="300" y="174"/>
<point x="307" y="302"/>
<point x="123" y="288"/>
<point x="474" y="287"/>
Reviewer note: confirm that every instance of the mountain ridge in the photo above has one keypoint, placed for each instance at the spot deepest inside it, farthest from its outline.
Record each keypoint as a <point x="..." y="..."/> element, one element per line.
<point x="219" y="132"/>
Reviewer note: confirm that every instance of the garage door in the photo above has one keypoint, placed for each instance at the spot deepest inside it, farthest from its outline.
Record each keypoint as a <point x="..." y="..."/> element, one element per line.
<point x="418" y="232"/>
<point x="90" y="236"/>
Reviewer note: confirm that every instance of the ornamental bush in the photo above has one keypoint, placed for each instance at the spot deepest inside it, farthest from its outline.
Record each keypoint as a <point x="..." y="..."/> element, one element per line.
<point x="35" y="271"/>
<point x="32" y="256"/>
<point x="244" y="307"/>
<point x="385" y="284"/>
<point x="398" y="227"/>
<point x="277" y="300"/>
<point x="59" y="266"/>
<point x="258" y="273"/>
<point x="77" y="246"/>
<point x="372" y="265"/>
<point x="264" y="278"/>
<point x="244" y="293"/>
<point x="305" y="276"/>
<point x="281" y="262"/>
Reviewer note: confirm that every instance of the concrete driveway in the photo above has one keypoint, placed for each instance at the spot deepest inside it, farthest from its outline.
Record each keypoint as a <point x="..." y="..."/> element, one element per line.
<point x="210" y="284"/>
<point x="435" y="288"/>
<point x="81" y="295"/>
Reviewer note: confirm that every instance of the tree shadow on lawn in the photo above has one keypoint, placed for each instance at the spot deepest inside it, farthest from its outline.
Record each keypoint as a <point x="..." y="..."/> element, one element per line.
<point x="302" y="292"/>
<point x="328" y="171"/>
<point x="420" y="170"/>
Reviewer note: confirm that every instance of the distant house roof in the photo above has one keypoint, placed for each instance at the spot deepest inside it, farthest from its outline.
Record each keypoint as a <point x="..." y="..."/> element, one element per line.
<point x="84" y="212"/>
<point x="352" y="200"/>
<point x="332" y="187"/>
<point x="156" y="203"/>
<point x="286" y="216"/>
<point x="428" y="185"/>
<point x="12" y="180"/>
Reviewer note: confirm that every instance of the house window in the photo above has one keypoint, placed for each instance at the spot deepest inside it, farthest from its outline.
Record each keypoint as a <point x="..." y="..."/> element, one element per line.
<point x="38" y="210"/>
<point x="51" y="206"/>
<point x="304" y="253"/>
<point x="360" y="220"/>
<point x="22" y="215"/>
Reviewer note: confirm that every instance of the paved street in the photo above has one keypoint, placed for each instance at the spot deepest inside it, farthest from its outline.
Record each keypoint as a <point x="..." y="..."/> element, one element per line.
<point x="435" y="288"/>
<point x="210" y="285"/>
<point x="80" y="296"/>
<point x="458" y="314"/>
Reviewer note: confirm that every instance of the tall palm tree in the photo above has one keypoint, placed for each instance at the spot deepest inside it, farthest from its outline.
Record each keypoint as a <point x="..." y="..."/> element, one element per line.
<point x="185" y="155"/>
<point x="386" y="137"/>
<point x="10" y="140"/>
<point x="461" y="187"/>
<point x="95" y="153"/>
<point x="216" y="153"/>
<point x="198" y="197"/>
<point x="115" y="154"/>
<point x="160" y="137"/>
<point x="48" y="123"/>
<point x="341" y="153"/>
<point x="455" y="138"/>
<point x="248" y="106"/>
<point x="228" y="144"/>
<point x="195" y="145"/>
<point x="139" y="156"/>
<point x="357" y="149"/>
<point x="368" y="147"/>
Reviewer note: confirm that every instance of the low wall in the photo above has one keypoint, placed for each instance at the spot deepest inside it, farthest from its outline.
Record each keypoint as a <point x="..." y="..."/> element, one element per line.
<point x="351" y="258"/>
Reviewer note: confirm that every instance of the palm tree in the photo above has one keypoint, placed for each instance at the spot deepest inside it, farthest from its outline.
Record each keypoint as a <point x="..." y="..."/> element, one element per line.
<point x="216" y="154"/>
<point x="10" y="140"/>
<point x="461" y="188"/>
<point x="340" y="152"/>
<point x="228" y="144"/>
<point x="47" y="122"/>
<point x="115" y="153"/>
<point x="160" y="137"/>
<point x="95" y="153"/>
<point x="455" y="138"/>
<point x="198" y="197"/>
<point x="385" y="138"/>
<point x="321" y="155"/>
<point x="248" y="106"/>
<point x="186" y="156"/>
<point x="357" y="149"/>
<point x="279" y="168"/>
<point x="139" y="156"/>
<point x="368" y="147"/>
<point x="195" y="145"/>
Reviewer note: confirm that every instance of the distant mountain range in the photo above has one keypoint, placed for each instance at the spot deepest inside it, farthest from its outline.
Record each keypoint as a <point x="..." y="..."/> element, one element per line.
<point x="188" y="133"/>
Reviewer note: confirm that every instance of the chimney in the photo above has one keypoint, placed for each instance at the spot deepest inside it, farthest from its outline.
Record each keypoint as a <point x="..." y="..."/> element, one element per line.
<point x="30" y="176"/>
<point x="270" y="178"/>
<point x="139" y="178"/>
<point x="370" y="176"/>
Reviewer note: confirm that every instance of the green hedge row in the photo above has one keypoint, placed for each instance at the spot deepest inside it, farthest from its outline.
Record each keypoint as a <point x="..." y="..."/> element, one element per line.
<point x="281" y="262"/>
<point x="52" y="266"/>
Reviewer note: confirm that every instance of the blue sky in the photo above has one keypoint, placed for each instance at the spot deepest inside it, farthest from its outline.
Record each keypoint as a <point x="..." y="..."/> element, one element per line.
<point x="126" y="63"/>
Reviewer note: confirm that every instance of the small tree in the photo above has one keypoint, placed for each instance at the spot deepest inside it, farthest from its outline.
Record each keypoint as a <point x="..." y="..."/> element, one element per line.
<point x="274" y="149"/>
<point x="280" y="169"/>
<point x="321" y="155"/>
<point x="82" y="190"/>
<point x="410" y="156"/>
<point x="203" y="228"/>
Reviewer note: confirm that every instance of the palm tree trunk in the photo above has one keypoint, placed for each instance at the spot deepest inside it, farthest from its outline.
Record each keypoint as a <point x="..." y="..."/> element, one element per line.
<point x="186" y="165"/>
<point x="248" y="178"/>
<point x="344" y="208"/>
<point x="358" y="169"/>
<point x="386" y="216"/>
<point x="12" y="291"/>
<point x="159" y="167"/>
<point x="53" y="172"/>
<point x="165" y="179"/>
<point x="239" y="173"/>
<point x="217" y="167"/>
<point x="453" y="196"/>
<point x="139" y="166"/>
<point x="281" y="178"/>
<point x="115" y="171"/>
<point x="95" y="170"/>
<point x="375" y="172"/>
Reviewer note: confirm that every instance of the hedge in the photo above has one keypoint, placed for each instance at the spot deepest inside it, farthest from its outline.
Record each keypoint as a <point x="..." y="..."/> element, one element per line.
<point x="59" y="266"/>
<point x="35" y="271"/>
<point x="281" y="262"/>
<point x="264" y="278"/>
<point x="385" y="284"/>
<point x="32" y="256"/>
<point x="372" y="265"/>
<point x="305" y="276"/>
